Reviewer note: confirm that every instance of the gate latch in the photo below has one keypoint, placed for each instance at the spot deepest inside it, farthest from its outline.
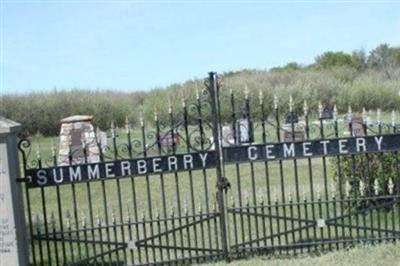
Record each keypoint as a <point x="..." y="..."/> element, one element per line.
<point x="223" y="184"/>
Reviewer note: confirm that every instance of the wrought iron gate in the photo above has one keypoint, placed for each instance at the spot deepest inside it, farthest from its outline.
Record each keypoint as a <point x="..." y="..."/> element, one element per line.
<point x="213" y="181"/>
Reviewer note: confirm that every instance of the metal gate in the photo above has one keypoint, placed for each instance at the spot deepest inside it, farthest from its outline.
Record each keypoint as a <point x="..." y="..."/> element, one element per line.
<point x="216" y="181"/>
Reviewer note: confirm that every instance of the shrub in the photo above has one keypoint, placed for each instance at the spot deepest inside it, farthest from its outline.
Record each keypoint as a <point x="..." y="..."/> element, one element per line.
<point x="366" y="176"/>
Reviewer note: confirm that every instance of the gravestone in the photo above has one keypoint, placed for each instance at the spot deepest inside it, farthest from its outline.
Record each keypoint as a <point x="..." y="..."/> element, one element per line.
<point x="13" y="240"/>
<point x="288" y="136"/>
<point x="298" y="129"/>
<point x="357" y="126"/>
<point x="244" y="133"/>
<point x="326" y="114"/>
<point x="102" y="138"/>
<point x="227" y="135"/>
<point x="77" y="132"/>
<point x="168" y="139"/>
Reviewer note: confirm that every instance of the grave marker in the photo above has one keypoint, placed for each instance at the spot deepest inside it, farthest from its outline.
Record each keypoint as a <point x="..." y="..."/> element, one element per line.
<point x="244" y="132"/>
<point x="356" y="126"/>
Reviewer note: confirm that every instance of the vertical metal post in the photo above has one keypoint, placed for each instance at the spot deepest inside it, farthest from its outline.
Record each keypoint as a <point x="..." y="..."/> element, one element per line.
<point x="213" y="89"/>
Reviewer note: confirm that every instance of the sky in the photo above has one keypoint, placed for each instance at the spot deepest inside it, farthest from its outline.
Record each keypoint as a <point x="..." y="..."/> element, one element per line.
<point x="140" y="45"/>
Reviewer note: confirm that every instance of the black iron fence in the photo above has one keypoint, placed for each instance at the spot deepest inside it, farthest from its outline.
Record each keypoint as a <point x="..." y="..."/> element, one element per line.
<point x="197" y="188"/>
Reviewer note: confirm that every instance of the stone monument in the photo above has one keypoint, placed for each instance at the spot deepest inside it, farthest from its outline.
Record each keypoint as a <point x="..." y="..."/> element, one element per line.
<point x="77" y="133"/>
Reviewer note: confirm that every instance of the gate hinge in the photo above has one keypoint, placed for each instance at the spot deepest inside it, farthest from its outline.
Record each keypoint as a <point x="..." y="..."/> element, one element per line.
<point x="223" y="184"/>
<point x="23" y="179"/>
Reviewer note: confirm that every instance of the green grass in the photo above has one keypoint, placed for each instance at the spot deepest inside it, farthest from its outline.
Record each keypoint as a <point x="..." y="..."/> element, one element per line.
<point x="377" y="255"/>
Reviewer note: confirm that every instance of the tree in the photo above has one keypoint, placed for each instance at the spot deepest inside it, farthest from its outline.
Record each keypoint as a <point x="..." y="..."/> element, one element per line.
<point x="292" y="66"/>
<point x="334" y="59"/>
<point x="288" y="67"/>
<point x="359" y="59"/>
<point x="385" y="58"/>
<point x="380" y="56"/>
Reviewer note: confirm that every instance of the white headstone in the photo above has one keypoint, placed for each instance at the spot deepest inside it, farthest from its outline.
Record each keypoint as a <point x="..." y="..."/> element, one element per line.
<point x="243" y="130"/>
<point x="227" y="135"/>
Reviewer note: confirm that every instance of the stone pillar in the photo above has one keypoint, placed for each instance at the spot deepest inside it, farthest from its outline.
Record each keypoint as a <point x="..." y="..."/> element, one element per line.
<point x="77" y="131"/>
<point x="13" y="234"/>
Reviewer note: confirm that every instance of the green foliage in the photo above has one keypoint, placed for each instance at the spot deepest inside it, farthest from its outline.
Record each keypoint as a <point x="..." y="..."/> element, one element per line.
<point x="359" y="59"/>
<point x="41" y="112"/>
<point x="335" y="78"/>
<point x="334" y="59"/>
<point x="368" y="175"/>
<point x="356" y="60"/>
<point x="384" y="56"/>
<point x="288" y="67"/>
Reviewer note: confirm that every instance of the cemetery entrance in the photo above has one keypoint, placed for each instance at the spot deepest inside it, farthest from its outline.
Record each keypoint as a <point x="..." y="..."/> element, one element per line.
<point x="217" y="178"/>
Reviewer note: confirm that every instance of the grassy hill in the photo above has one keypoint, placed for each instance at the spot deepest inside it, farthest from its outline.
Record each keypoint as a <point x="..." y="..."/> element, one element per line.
<point x="335" y="78"/>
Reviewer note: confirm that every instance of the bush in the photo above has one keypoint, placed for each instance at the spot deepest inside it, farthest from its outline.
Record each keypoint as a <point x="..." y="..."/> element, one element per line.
<point x="369" y="175"/>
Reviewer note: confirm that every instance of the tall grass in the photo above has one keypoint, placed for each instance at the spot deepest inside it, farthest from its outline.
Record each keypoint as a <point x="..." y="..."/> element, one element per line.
<point x="41" y="112"/>
<point x="371" y="88"/>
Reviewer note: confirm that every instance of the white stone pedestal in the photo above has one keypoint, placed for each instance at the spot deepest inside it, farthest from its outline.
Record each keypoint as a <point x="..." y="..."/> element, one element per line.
<point x="13" y="236"/>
